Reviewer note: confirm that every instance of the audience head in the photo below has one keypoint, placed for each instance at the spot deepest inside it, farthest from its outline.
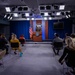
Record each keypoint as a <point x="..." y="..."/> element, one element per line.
<point x="14" y="36"/>
<point x="73" y="35"/>
<point x="56" y="35"/>
<point x="22" y="35"/>
<point x="66" y="34"/>
<point x="3" y="35"/>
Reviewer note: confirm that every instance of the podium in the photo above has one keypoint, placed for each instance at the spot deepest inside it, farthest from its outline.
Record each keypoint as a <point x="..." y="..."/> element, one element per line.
<point x="37" y="38"/>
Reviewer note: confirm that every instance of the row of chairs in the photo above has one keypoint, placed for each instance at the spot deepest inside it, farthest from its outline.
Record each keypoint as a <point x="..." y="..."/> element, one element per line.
<point x="69" y="59"/>
<point x="3" y="52"/>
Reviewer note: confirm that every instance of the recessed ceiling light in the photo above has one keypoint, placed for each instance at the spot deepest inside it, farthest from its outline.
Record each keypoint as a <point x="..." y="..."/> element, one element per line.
<point x="58" y="13"/>
<point x="45" y="18"/>
<point x="46" y="14"/>
<point x="7" y="9"/>
<point x="32" y="18"/>
<point x="27" y="14"/>
<point x="10" y="18"/>
<point x="61" y="7"/>
<point x="5" y="16"/>
<point x="50" y="18"/>
<point x="28" y="18"/>
<point x="15" y="14"/>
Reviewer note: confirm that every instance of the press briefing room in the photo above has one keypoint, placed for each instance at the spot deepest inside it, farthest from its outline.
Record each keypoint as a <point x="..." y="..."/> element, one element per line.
<point x="37" y="37"/>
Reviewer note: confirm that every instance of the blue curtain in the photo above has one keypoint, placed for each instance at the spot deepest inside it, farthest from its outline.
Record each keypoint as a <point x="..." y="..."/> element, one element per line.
<point x="61" y="32"/>
<point x="43" y="30"/>
<point x="20" y="27"/>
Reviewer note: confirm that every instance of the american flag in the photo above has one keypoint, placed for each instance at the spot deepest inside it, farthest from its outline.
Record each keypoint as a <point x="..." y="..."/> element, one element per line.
<point x="31" y="32"/>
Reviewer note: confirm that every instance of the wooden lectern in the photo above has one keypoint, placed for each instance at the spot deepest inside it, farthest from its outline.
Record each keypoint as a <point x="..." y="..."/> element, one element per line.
<point x="37" y="38"/>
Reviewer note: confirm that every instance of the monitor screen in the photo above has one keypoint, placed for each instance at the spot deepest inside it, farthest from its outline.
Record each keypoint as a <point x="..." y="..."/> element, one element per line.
<point x="58" y="25"/>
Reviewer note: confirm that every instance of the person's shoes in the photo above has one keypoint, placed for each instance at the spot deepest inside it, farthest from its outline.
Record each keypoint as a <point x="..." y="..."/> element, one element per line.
<point x="22" y="44"/>
<point x="7" y="53"/>
<point x="15" y="53"/>
<point x="1" y="64"/>
<point x="60" y="62"/>
<point x="73" y="72"/>
<point x="21" y="54"/>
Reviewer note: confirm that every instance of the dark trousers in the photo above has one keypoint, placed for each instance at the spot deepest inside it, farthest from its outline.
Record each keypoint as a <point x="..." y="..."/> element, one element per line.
<point x="66" y="51"/>
<point x="56" y="50"/>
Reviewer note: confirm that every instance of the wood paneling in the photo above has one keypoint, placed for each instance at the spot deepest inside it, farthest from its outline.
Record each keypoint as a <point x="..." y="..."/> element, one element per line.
<point x="46" y="29"/>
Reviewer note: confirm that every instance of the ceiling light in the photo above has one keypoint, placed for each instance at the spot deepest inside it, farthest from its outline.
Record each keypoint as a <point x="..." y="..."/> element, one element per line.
<point x="58" y="13"/>
<point x="49" y="14"/>
<point x="46" y="14"/>
<point x="32" y="18"/>
<point x="62" y="13"/>
<point x="56" y="7"/>
<point x="28" y="18"/>
<point x="67" y="16"/>
<point x="5" y="16"/>
<point x="25" y="8"/>
<point x="62" y="7"/>
<point x="7" y="9"/>
<point x="15" y="14"/>
<point x="50" y="18"/>
<point x="20" y="9"/>
<point x="27" y="14"/>
<point x="48" y="7"/>
<point x="42" y="14"/>
<point x="10" y="18"/>
<point x="42" y="7"/>
<point x="45" y="18"/>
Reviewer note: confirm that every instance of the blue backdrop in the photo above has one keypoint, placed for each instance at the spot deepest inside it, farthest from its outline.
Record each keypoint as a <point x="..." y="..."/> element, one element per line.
<point x="20" y="27"/>
<point x="61" y="32"/>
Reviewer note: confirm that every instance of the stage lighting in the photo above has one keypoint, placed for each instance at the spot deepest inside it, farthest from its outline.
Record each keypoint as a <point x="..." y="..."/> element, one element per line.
<point x="20" y="9"/>
<point x="62" y="13"/>
<point x="25" y="8"/>
<point x="48" y="7"/>
<point x="31" y="14"/>
<point x="42" y="7"/>
<point x="7" y="9"/>
<point x="46" y="14"/>
<point x="27" y="14"/>
<point x="45" y="18"/>
<point x="42" y="14"/>
<point x="56" y="7"/>
<point x="15" y="14"/>
<point x="61" y="7"/>
<point x="49" y="14"/>
<point x="58" y="13"/>
<point x="13" y="8"/>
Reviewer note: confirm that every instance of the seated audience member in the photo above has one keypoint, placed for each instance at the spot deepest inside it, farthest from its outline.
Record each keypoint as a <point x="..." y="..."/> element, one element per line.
<point x="3" y="43"/>
<point x="70" y="46"/>
<point x="10" y="36"/>
<point x="67" y="36"/>
<point x="22" y="40"/>
<point x="15" y="40"/>
<point x="56" y="39"/>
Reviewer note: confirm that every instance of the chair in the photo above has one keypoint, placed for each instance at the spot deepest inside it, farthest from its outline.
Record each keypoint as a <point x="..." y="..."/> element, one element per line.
<point x="70" y="60"/>
<point x="2" y="53"/>
<point x="15" y="46"/>
<point x="57" y="46"/>
<point x="22" y="41"/>
<point x="37" y="38"/>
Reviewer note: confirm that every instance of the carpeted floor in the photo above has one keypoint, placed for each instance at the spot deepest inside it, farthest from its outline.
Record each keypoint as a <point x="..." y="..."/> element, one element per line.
<point x="37" y="59"/>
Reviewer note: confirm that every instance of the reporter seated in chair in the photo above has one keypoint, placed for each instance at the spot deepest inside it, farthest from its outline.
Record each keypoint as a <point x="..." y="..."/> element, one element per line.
<point x="70" y="46"/>
<point x="22" y="40"/>
<point x="15" y="40"/>
<point x="57" y="44"/>
<point x="3" y="43"/>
